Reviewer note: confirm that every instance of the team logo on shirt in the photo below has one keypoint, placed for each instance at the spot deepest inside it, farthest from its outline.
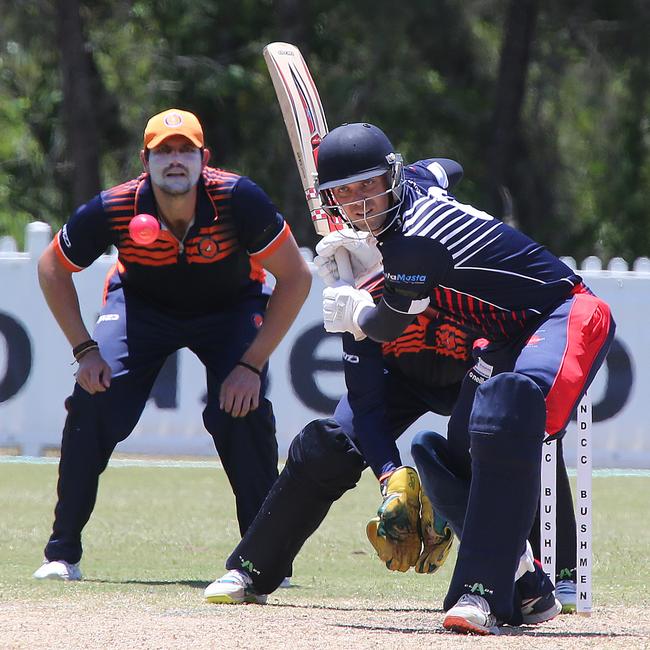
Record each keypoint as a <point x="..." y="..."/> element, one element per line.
<point x="258" y="320"/>
<point x="208" y="248"/>
<point x="403" y="277"/>
<point x="107" y="317"/>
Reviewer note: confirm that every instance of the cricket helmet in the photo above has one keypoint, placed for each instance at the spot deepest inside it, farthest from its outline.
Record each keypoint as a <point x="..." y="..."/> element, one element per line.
<point x="356" y="152"/>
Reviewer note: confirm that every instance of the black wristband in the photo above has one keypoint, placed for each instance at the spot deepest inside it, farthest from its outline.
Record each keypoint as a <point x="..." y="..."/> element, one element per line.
<point x="79" y="350"/>
<point x="251" y="368"/>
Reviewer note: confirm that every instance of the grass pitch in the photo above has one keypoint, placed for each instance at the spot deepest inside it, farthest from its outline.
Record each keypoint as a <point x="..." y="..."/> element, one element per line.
<point x="165" y="532"/>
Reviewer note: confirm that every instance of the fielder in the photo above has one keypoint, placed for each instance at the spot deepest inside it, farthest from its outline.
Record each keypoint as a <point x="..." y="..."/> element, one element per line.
<point x="200" y="285"/>
<point x="545" y="333"/>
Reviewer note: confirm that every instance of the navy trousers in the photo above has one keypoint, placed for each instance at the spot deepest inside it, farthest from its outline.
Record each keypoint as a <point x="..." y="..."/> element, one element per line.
<point x="561" y="358"/>
<point x="135" y="339"/>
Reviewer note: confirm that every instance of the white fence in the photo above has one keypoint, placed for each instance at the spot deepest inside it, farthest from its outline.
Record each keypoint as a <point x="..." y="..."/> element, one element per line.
<point x="306" y="370"/>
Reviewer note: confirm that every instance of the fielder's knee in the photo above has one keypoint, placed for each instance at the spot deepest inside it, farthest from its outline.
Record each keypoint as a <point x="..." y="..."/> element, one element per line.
<point x="323" y="455"/>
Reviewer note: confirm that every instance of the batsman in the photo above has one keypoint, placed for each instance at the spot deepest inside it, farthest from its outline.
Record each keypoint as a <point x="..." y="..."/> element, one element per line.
<point x="541" y="337"/>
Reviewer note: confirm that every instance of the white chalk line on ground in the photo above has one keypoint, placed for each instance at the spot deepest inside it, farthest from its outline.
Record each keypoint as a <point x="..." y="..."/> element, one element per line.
<point x="119" y="462"/>
<point x="215" y="464"/>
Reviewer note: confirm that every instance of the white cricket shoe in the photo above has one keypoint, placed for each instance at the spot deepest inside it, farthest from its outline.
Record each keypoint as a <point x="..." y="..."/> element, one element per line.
<point x="565" y="591"/>
<point x="58" y="570"/>
<point x="233" y="588"/>
<point x="471" y="615"/>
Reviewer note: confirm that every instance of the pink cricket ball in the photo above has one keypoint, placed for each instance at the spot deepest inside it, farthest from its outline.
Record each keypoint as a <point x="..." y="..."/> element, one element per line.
<point x="144" y="229"/>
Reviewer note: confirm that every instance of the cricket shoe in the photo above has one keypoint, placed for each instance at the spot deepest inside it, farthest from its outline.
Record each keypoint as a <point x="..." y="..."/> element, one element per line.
<point x="58" y="570"/>
<point x="540" y="609"/>
<point x="565" y="590"/>
<point x="234" y="588"/>
<point x="471" y="615"/>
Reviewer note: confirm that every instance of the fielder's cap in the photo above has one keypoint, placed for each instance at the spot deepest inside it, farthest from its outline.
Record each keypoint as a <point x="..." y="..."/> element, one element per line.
<point x="173" y="122"/>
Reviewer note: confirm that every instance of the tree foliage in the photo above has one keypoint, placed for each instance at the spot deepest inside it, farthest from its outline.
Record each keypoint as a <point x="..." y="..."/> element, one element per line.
<point x="544" y="104"/>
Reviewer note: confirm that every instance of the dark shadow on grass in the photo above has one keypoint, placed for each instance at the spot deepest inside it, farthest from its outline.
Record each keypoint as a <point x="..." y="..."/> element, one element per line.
<point x="535" y="631"/>
<point x="202" y="584"/>
<point x="523" y="631"/>
<point x="386" y="628"/>
<point x="195" y="584"/>
<point x="356" y="608"/>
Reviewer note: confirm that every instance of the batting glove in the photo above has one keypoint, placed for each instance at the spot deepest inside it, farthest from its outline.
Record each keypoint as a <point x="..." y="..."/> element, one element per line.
<point x="342" y="307"/>
<point x="395" y="531"/>
<point x="365" y="258"/>
<point x="437" y="538"/>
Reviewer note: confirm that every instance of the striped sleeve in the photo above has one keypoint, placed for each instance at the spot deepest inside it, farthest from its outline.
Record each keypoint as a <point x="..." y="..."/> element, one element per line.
<point x="65" y="261"/>
<point x="84" y="237"/>
<point x="261" y="227"/>
<point x="274" y="244"/>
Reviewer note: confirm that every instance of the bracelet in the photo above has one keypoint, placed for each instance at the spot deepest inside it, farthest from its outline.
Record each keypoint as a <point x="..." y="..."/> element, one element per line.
<point x="81" y="349"/>
<point x="251" y="368"/>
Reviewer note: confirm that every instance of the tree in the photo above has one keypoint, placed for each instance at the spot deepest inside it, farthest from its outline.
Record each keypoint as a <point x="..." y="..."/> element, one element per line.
<point x="79" y="114"/>
<point x="509" y="95"/>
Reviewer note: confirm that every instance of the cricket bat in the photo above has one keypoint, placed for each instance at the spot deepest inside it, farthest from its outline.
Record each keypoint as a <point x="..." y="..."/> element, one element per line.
<point x="306" y="125"/>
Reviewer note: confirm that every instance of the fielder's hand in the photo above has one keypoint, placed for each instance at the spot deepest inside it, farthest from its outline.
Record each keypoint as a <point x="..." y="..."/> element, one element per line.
<point x="93" y="374"/>
<point x="437" y="538"/>
<point x="395" y="531"/>
<point x="365" y="258"/>
<point x="240" y="392"/>
<point x="342" y="307"/>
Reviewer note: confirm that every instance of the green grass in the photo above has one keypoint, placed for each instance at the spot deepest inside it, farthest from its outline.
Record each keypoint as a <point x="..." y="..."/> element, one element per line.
<point x="168" y="531"/>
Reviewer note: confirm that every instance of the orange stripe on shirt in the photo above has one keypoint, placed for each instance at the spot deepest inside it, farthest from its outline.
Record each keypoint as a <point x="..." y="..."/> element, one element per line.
<point x="257" y="272"/>
<point x="107" y="280"/>
<point x="62" y="257"/>
<point x="273" y="246"/>
<point x="149" y="261"/>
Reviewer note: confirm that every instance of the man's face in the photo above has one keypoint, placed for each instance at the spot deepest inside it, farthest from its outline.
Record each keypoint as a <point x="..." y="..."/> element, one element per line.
<point x="175" y="165"/>
<point x="365" y="203"/>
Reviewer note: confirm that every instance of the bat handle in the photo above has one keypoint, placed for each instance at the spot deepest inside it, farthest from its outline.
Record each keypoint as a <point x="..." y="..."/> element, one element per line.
<point x="344" y="266"/>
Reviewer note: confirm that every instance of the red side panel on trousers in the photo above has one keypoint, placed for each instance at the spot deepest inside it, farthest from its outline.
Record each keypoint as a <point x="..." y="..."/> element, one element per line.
<point x="588" y="328"/>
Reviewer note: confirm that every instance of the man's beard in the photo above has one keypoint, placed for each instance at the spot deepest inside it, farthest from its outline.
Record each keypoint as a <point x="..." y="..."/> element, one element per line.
<point x="161" y="163"/>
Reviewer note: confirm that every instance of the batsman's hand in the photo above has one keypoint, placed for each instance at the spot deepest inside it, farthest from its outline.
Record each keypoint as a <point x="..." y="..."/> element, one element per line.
<point x="365" y="257"/>
<point x="437" y="538"/>
<point x="342" y="307"/>
<point x="395" y="532"/>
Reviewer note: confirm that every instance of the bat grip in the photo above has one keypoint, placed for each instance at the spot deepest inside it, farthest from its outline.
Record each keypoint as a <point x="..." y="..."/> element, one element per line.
<point x="344" y="266"/>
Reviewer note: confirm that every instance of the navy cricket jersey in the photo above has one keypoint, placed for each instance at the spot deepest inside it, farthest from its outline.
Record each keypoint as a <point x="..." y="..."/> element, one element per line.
<point x="489" y="277"/>
<point x="215" y="266"/>
<point x="422" y="368"/>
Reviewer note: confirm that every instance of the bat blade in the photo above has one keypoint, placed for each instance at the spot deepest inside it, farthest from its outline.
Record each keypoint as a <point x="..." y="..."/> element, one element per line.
<point x="305" y="122"/>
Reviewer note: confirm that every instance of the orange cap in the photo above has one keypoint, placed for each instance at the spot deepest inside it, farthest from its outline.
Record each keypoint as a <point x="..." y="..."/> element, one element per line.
<point x="172" y="122"/>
